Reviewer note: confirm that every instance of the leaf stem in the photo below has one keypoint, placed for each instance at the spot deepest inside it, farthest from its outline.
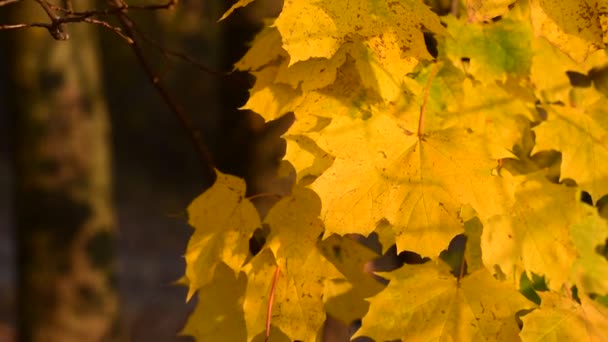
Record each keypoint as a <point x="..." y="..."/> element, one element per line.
<point x="271" y="301"/>
<point x="427" y="89"/>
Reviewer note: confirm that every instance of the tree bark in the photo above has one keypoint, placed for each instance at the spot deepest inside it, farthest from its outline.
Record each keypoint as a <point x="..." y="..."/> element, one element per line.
<point x="64" y="219"/>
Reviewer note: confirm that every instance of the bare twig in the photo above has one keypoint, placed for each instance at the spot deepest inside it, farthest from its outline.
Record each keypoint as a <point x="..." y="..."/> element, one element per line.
<point x="119" y="8"/>
<point x="7" y="2"/>
<point x="184" y="118"/>
<point x="177" y="54"/>
<point x="107" y="25"/>
<point x="122" y="7"/>
<point x="23" y="26"/>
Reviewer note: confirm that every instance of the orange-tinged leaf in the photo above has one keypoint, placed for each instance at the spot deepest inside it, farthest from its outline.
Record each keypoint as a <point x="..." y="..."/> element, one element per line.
<point x="223" y="221"/>
<point x="427" y="303"/>
<point x="560" y="318"/>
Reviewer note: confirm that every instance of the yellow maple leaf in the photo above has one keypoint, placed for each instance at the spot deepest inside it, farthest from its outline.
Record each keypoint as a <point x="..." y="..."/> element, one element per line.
<point x="418" y="183"/>
<point x="574" y="26"/>
<point x="590" y="269"/>
<point x="483" y="10"/>
<point x="313" y="28"/>
<point x="265" y="49"/>
<point x="581" y="134"/>
<point x="351" y="258"/>
<point x="434" y="306"/>
<point x="534" y="235"/>
<point x="219" y="315"/>
<point x="223" y="221"/>
<point x="560" y="318"/>
<point x="304" y="274"/>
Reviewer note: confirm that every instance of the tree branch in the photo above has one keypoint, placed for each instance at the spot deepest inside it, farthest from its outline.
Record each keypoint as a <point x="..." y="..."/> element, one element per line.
<point x="185" y="119"/>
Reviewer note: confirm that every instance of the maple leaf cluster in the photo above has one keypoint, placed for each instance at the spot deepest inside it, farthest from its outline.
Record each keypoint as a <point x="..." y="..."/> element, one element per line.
<point x="418" y="128"/>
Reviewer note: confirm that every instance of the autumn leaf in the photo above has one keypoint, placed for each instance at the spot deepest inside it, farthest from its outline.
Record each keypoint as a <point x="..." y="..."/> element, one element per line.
<point x="313" y="28"/>
<point x="219" y="311"/>
<point x="435" y="306"/>
<point x="534" y="235"/>
<point x="418" y="184"/>
<point x="483" y="10"/>
<point x="585" y="161"/>
<point x="352" y="259"/>
<point x="305" y="275"/>
<point x="560" y="318"/>
<point x="493" y="51"/>
<point x="590" y="269"/>
<point x="574" y="26"/>
<point x="223" y="221"/>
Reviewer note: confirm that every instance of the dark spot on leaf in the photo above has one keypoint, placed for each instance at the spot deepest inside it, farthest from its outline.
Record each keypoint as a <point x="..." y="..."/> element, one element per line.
<point x="497" y="18"/>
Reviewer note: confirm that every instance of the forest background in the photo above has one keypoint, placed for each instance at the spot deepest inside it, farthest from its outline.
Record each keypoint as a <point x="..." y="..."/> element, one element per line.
<point x="156" y="171"/>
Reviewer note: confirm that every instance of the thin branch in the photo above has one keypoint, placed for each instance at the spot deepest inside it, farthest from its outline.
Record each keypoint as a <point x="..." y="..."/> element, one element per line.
<point x="7" y="2"/>
<point x="177" y="54"/>
<point x="425" y="99"/>
<point x="106" y="25"/>
<point x="23" y="26"/>
<point x="184" y="118"/>
<point x="57" y="28"/>
<point x="122" y="7"/>
<point x="49" y="11"/>
<point x="275" y="280"/>
<point x="68" y="5"/>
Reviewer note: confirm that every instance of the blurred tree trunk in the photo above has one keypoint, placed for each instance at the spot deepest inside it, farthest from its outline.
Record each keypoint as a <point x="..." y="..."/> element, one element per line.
<point x="65" y="226"/>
